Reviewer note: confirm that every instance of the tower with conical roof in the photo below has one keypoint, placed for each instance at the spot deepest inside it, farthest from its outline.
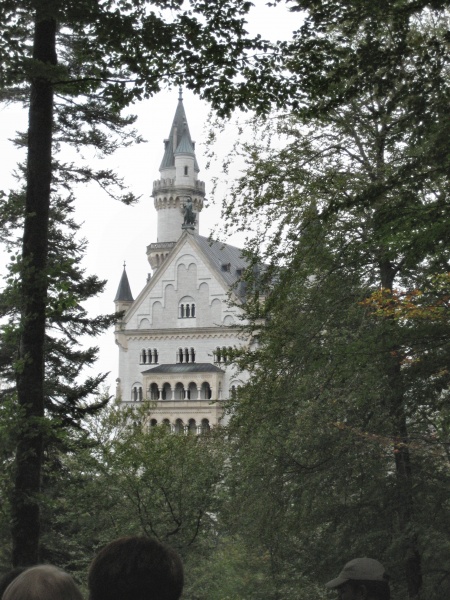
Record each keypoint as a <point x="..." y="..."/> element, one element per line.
<point x="178" y="182"/>
<point x="124" y="298"/>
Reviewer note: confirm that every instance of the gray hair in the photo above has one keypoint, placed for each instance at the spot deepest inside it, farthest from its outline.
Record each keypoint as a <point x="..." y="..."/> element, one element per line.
<point x="43" y="582"/>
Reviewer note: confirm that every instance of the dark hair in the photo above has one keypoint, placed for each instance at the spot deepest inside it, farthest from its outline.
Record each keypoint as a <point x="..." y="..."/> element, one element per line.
<point x="376" y="590"/>
<point x="136" y="568"/>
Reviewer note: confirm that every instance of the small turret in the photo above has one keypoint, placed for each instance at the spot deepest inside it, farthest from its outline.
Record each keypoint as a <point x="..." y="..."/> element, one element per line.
<point x="124" y="298"/>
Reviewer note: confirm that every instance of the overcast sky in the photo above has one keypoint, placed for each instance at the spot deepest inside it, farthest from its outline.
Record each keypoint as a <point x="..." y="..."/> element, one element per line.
<point x="117" y="233"/>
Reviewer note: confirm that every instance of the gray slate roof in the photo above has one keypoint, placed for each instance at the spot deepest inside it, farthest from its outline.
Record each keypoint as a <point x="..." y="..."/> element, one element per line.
<point x="227" y="259"/>
<point x="184" y="140"/>
<point x="185" y="368"/>
<point x="185" y="145"/>
<point x="124" y="291"/>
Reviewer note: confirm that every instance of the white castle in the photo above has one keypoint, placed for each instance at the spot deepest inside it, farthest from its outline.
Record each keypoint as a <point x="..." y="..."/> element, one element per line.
<point x="174" y="339"/>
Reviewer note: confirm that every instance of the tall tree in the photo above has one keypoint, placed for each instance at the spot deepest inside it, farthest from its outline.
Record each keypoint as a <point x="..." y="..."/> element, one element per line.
<point x="66" y="397"/>
<point x="364" y="165"/>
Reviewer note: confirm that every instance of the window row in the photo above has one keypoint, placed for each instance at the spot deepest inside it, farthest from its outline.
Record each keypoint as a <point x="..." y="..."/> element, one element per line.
<point x="223" y="355"/>
<point x="179" y="392"/>
<point x="191" y="427"/>
<point x="186" y="311"/>
<point x="186" y="355"/>
<point x="149" y="356"/>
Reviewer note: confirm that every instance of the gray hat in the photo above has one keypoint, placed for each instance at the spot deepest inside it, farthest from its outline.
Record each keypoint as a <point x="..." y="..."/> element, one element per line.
<point x="359" y="569"/>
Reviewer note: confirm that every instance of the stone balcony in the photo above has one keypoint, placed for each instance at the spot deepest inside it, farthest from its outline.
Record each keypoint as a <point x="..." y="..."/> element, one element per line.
<point x="162" y="185"/>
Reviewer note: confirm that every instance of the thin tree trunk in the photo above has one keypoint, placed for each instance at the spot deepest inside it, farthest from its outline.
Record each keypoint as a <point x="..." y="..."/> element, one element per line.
<point x="403" y="468"/>
<point x="30" y="372"/>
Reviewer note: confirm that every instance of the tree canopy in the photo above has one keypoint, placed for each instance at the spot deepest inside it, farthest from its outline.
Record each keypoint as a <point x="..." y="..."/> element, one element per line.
<point x="338" y="433"/>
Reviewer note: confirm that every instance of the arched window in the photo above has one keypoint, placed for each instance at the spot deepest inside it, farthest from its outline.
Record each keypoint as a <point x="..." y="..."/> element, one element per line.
<point x="149" y="355"/>
<point x="180" y="355"/>
<point x="224" y="355"/>
<point x="143" y="357"/>
<point x="205" y="427"/>
<point x="166" y="423"/>
<point x="192" y="426"/>
<point x="192" y="355"/>
<point x="186" y="307"/>
<point x="186" y="355"/>
<point x="154" y="392"/>
<point x="234" y="389"/>
<point x="136" y="392"/>
<point x="192" y="391"/>
<point x="179" y="427"/>
<point x="218" y="355"/>
<point x="186" y="170"/>
<point x="155" y="356"/>
<point x="205" y="391"/>
<point x="179" y="391"/>
<point x="166" y="392"/>
<point x="153" y="422"/>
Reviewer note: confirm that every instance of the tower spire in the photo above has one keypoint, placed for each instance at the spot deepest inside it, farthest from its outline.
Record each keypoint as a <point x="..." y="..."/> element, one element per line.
<point x="124" y="291"/>
<point x="178" y="181"/>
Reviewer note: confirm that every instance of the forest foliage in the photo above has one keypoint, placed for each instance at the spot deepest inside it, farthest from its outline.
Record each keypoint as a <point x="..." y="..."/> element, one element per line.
<point x="338" y="445"/>
<point x="340" y="436"/>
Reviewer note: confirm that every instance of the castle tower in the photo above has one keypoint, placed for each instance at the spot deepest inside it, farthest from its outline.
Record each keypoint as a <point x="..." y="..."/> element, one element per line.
<point x="124" y="298"/>
<point x="179" y="181"/>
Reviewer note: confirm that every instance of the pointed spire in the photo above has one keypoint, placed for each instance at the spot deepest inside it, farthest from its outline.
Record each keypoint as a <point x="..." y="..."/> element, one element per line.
<point x="124" y="291"/>
<point x="179" y="140"/>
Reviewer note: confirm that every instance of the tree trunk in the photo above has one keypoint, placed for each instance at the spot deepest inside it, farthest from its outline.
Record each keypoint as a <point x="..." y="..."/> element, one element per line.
<point x="403" y="470"/>
<point x="30" y="370"/>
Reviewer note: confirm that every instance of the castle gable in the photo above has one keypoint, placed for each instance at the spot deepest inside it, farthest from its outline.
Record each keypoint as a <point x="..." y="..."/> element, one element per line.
<point x="190" y="289"/>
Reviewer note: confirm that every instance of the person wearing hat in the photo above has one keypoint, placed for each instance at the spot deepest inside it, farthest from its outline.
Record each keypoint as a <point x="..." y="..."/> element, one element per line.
<point x="362" y="579"/>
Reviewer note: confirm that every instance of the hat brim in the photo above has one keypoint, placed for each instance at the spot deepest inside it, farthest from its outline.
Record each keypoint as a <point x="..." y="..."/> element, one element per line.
<point x="334" y="583"/>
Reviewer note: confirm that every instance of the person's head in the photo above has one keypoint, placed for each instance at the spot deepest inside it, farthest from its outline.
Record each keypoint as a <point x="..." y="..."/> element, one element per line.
<point x="362" y="579"/>
<point x="136" y="568"/>
<point x="9" y="576"/>
<point x="43" y="582"/>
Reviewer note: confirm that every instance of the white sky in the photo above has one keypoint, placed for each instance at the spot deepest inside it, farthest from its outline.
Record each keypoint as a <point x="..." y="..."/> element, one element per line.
<point x="117" y="233"/>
